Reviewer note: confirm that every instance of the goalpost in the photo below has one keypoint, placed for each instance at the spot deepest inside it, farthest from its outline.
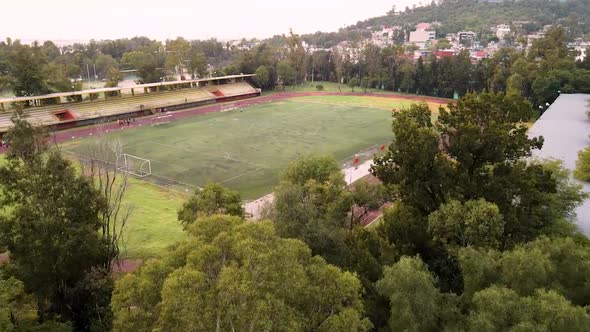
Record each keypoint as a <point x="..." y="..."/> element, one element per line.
<point x="160" y="120"/>
<point x="134" y="165"/>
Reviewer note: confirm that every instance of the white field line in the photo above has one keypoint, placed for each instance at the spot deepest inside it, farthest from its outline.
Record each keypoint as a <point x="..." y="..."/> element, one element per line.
<point x="245" y="173"/>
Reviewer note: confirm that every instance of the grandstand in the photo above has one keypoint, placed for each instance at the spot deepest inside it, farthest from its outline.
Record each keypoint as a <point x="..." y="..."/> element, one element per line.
<point x="185" y="94"/>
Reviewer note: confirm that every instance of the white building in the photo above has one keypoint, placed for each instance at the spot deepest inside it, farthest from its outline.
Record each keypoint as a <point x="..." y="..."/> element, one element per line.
<point x="422" y="36"/>
<point x="466" y="35"/>
<point x="580" y="48"/>
<point x="502" y="30"/>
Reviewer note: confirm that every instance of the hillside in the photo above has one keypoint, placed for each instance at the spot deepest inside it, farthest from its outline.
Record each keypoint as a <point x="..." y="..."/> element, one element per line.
<point x="477" y="16"/>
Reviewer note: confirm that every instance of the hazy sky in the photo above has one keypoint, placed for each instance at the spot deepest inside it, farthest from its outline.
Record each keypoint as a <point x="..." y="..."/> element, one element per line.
<point x="225" y="19"/>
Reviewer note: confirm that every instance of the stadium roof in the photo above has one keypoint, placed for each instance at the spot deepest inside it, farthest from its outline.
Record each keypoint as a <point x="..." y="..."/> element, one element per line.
<point x="101" y="90"/>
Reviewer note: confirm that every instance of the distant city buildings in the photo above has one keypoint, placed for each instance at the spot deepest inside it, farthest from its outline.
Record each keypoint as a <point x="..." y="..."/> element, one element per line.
<point x="580" y="48"/>
<point x="422" y="42"/>
<point x="502" y="30"/>
<point x="422" y="36"/>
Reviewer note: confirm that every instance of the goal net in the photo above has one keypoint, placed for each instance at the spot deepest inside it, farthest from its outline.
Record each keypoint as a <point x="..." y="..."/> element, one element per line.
<point x="134" y="165"/>
<point x="160" y="120"/>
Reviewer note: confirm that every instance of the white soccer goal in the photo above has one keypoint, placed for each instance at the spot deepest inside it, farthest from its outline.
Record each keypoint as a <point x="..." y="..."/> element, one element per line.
<point x="134" y="165"/>
<point x="160" y="120"/>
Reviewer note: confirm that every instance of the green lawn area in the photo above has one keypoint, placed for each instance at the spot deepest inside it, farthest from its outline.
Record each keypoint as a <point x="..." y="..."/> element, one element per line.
<point x="153" y="225"/>
<point x="328" y="87"/>
<point x="246" y="150"/>
<point x="364" y="101"/>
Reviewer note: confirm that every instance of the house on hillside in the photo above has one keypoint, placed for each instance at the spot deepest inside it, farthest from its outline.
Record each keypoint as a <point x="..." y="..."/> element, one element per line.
<point x="422" y="36"/>
<point x="502" y="30"/>
<point x="445" y="54"/>
<point x="466" y="36"/>
<point x="579" y="47"/>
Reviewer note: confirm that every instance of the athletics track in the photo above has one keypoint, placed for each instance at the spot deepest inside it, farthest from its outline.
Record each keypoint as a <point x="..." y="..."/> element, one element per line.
<point x="66" y="135"/>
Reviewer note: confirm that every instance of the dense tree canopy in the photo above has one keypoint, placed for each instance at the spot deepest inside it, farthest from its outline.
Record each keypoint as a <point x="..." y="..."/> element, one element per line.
<point x="233" y="275"/>
<point x="213" y="199"/>
<point x="52" y="232"/>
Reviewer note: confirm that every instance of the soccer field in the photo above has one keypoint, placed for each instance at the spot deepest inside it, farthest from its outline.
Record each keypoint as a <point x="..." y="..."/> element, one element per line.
<point x="245" y="149"/>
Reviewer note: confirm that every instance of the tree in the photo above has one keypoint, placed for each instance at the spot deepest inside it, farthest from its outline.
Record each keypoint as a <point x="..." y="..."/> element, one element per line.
<point x="413" y="297"/>
<point x="407" y="77"/>
<point x="263" y="77"/>
<point x="414" y="165"/>
<point x="57" y="79"/>
<point x="286" y="72"/>
<point x="353" y="82"/>
<point x="178" y="51"/>
<point x="213" y="199"/>
<point x="474" y="223"/>
<point x="500" y="309"/>
<point x="198" y="65"/>
<point x="582" y="171"/>
<point x="234" y="275"/>
<point x="296" y="55"/>
<point x="105" y="64"/>
<point x="443" y="44"/>
<point x="56" y="209"/>
<point x="17" y="310"/>
<point x="311" y="204"/>
<point x="472" y="163"/>
<point x="27" y="70"/>
<point x="112" y="184"/>
<point x="146" y="65"/>
<point x="113" y="78"/>
<point x="560" y="265"/>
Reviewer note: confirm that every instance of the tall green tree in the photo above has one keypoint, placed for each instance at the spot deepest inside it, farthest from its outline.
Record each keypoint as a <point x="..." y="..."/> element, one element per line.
<point x="213" y="199"/>
<point x="582" y="171"/>
<point x="56" y="210"/>
<point x="177" y="54"/>
<point x="26" y="69"/>
<point x="198" y="65"/>
<point x="415" y="301"/>
<point x="234" y="275"/>
<point x="311" y="204"/>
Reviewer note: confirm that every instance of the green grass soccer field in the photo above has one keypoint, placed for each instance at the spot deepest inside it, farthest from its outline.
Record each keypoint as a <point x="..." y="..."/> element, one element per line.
<point x="243" y="150"/>
<point x="246" y="149"/>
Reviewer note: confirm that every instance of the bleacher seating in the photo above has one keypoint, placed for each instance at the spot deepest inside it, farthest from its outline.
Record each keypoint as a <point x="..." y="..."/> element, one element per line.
<point x="127" y="104"/>
<point x="120" y="105"/>
<point x="39" y="117"/>
<point x="236" y="89"/>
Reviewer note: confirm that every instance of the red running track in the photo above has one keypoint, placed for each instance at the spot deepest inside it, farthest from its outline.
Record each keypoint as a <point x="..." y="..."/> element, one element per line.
<point x="63" y="136"/>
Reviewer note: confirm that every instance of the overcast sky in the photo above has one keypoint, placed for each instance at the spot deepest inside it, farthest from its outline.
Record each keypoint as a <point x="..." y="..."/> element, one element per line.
<point x="162" y="19"/>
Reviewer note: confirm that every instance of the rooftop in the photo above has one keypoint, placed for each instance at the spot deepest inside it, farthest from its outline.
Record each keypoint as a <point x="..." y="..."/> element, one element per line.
<point x="565" y="126"/>
<point x="101" y="90"/>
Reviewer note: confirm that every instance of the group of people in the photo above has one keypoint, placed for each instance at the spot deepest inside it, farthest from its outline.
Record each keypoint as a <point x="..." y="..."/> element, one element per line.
<point x="125" y="122"/>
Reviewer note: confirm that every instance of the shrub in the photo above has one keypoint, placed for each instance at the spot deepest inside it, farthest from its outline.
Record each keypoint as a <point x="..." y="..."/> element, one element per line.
<point x="319" y="87"/>
<point x="582" y="171"/>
